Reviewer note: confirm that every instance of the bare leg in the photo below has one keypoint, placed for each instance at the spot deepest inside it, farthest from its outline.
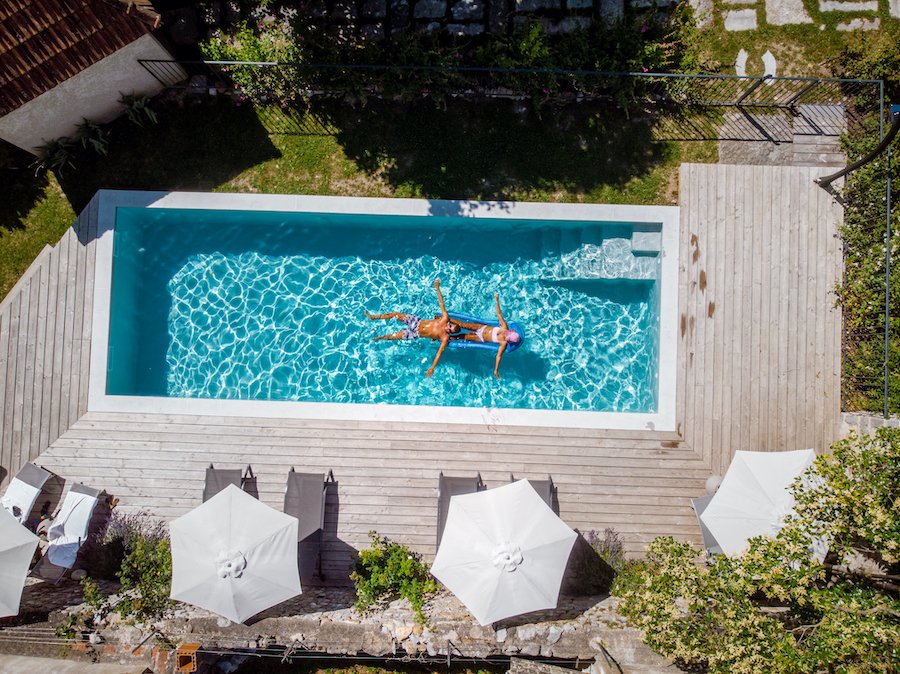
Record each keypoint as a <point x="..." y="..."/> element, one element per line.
<point x="392" y="336"/>
<point x="385" y="317"/>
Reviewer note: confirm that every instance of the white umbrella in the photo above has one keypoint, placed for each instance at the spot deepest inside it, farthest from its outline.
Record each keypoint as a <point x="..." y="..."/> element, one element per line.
<point x="17" y="546"/>
<point x="234" y="556"/>
<point x="503" y="552"/>
<point x="754" y="497"/>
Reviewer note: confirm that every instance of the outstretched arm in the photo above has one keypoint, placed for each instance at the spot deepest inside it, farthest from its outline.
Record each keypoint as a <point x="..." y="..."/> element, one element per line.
<point x="497" y="362"/>
<point x="500" y="315"/>
<point x="437" y="358"/>
<point x="437" y="285"/>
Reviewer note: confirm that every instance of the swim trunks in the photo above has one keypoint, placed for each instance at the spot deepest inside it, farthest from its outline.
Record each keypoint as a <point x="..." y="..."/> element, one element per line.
<point x="412" y="327"/>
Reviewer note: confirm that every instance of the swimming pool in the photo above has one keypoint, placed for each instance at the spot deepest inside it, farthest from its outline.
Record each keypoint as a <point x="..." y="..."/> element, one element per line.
<point x="256" y="303"/>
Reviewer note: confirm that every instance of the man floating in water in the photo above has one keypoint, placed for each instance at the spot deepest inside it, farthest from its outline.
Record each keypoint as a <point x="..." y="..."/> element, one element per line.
<point x="440" y="327"/>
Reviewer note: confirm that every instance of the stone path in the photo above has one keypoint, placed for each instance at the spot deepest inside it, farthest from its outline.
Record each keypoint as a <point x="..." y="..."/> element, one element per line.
<point x="746" y="15"/>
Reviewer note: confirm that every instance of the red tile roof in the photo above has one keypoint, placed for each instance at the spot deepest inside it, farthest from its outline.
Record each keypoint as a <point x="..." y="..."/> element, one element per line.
<point x="45" y="42"/>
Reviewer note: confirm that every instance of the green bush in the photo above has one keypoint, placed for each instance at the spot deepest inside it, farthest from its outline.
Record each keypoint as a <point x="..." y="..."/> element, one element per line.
<point x="92" y="136"/>
<point x="861" y="293"/>
<point x="137" y="109"/>
<point x="270" y="40"/>
<point x="146" y="577"/>
<point x="134" y="550"/>
<point x="776" y="608"/>
<point x="388" y="569"/>
<point x="55" y="155"/>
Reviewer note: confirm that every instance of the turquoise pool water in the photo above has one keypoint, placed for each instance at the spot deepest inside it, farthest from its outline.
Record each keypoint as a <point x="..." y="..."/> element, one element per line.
<point x="269" y="306"/>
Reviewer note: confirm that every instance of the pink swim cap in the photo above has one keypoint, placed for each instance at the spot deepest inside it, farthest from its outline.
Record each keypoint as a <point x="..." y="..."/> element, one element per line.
<point x="513" y="336"/>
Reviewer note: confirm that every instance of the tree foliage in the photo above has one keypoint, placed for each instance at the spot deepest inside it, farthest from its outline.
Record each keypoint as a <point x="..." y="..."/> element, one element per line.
<point x="776" y="608"/>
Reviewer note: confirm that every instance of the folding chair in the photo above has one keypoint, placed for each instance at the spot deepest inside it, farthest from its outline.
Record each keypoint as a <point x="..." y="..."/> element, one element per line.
<point x="453" y="486"/>
<point x="304" y="498"/>
<point x="544" y="488"/>
<point x="219" y="478"/>
<point x="23" y="490"/>
<point x="67" y="532"/>
<point x="709" y="541"/>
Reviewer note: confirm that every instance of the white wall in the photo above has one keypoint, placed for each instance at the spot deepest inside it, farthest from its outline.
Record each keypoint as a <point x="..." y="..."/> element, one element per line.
<point x="91" y="94"/>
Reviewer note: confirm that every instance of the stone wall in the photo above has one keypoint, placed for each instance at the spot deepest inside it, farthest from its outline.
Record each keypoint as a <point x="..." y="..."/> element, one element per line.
<point x="380" y="19"/>
<point x="865" y="423"/>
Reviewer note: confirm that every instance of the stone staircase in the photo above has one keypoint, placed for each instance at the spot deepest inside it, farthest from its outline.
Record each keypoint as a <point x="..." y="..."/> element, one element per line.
<point x="592" y="253"/>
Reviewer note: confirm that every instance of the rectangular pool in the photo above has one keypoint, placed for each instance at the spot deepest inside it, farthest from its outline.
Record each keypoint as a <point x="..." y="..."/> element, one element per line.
<point x="254" y="305"/>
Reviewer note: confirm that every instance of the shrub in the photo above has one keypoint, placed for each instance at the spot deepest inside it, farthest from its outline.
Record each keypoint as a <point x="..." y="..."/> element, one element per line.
<point x="134" y="550"/>
<point x="776" y="608"/>
<point x="388" y="569"/>
<point x="146" y="577"/>
<point x="138" y="109"/>
<point x="54" y="155"/>
<point x="92" y="136"/>
<point x="271" y="39"/>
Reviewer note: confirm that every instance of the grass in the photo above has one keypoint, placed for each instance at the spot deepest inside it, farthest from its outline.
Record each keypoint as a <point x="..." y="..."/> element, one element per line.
<point x="22" y="237"/>
<point x="499" y="150"/>
<point x="800" y="50"/>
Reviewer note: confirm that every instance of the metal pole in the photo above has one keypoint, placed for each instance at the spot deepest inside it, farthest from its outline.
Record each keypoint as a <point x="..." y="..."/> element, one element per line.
<point x="752" y="89"/>
<point x="796" y="97"/>
<point x="895" y="111"/>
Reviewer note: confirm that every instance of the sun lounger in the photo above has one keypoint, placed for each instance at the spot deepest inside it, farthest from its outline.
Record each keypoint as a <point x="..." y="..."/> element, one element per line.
<point x="304" y="498"/>
<point x="23" y="491"/>
<point x="67" y="532"/>
<point x="709" y="541"/>
<point x="544" y="488"/>
<point x="449" y="487"/>
<point x="219" y="478"/>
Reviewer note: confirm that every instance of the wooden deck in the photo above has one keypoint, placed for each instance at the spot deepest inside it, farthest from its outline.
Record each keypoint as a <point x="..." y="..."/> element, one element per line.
<point x="759" y="368"/>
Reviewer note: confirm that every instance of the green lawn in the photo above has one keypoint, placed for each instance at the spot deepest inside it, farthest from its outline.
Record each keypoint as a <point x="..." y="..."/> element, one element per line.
<point x="29" y="224"/>
<point x="802" y="50"/>
<point x="463" y="151"/>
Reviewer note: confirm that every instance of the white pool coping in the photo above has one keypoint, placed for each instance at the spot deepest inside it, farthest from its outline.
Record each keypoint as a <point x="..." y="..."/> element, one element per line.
<point x="662" y="420"/>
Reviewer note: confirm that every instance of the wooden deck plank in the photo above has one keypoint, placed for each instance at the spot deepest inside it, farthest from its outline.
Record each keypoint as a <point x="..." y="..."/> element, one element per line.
<point x="13" y="361"/>
<point x="70" y="241"/>
<point x="808" y="299"/>
<point x="766" y="383"/>
<point x="76" y="342"/>
<point x="62" y="288"/>
<point x="87" y="323"/>
<point x="18" y="407"/>
<point x="5" y="362"/>
<point x="28" y="380"/>
<point x="745" y="316"/>
<point x="39" y="337"/>
<point x="50" y="335"/>
<point x="705" y="212"/>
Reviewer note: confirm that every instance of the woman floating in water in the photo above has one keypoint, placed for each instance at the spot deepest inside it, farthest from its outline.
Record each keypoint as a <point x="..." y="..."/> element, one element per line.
<point x="500" y="335"/>
<point x="440" y="328"/>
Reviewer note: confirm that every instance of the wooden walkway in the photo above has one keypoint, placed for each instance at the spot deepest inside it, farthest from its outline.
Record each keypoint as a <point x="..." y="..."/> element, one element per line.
<point x="759" y="368"/>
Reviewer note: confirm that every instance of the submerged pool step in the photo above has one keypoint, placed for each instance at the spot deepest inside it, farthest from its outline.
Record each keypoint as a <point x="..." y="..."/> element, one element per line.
<point x="613" y="259"/>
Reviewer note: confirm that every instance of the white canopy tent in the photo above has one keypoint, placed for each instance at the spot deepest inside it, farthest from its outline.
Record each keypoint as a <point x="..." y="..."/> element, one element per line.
<point x="503" y="552"/>
<point x="234" y="556"/>
<point x="754" y="497"/>
<point x="17" y="546"/>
